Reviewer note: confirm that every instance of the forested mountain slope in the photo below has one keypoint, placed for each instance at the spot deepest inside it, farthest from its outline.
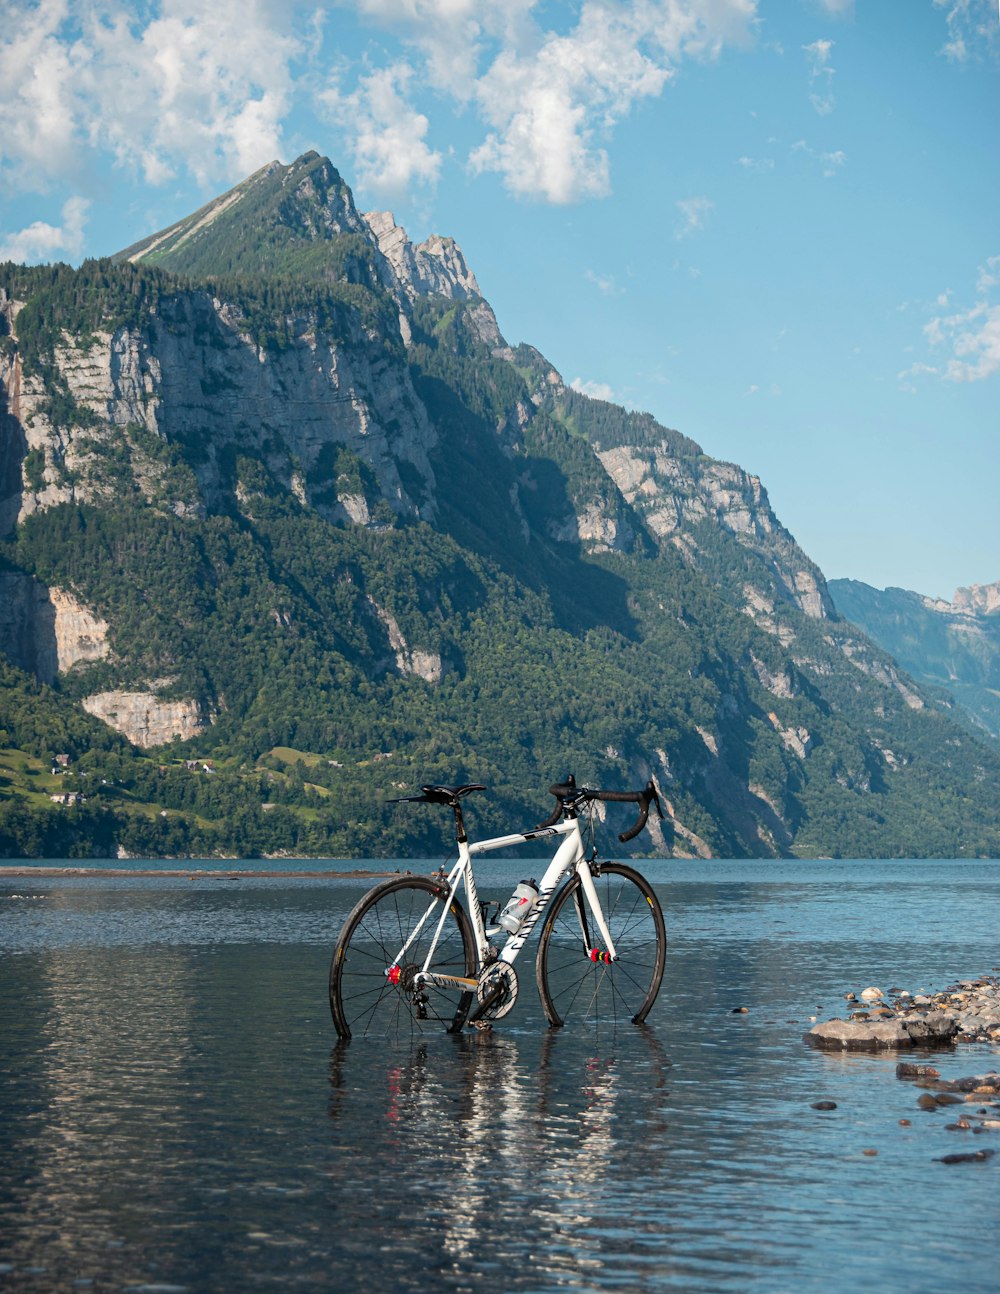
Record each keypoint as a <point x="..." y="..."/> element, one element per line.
<point x="953" y="646"/>
<point x="278" y="499"/>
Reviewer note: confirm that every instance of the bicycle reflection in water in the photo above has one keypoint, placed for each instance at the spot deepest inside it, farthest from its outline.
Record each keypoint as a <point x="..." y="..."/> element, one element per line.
<point x="504" y="1140"/>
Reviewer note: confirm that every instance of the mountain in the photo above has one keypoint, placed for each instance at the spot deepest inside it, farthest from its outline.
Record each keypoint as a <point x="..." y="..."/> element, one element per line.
<point x="953" y="646"/>
<point x="288" y="525"/>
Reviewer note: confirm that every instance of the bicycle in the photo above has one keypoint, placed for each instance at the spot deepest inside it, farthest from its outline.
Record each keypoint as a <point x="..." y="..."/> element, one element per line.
<point x="411" y="959"/>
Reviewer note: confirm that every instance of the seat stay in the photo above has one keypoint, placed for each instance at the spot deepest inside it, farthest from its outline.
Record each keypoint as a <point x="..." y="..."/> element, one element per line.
<point x="460" y="868"/>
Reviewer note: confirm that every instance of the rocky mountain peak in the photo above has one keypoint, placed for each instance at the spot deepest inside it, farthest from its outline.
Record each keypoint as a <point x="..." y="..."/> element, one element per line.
<point x="978" y="599"/>
<point x="435" y="267"/>
<point x="262" y="225"/>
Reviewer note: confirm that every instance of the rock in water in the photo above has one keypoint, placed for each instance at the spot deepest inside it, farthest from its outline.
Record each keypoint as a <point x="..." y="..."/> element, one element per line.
<point x="936" y="1029"/>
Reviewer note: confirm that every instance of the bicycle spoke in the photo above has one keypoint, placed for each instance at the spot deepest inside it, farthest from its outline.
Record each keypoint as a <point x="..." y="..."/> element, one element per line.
<point x="393" y="929"/>
<point x="602" y="993"/>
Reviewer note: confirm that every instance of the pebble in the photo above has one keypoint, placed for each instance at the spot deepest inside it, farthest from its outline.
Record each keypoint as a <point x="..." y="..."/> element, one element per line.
<point x="974" y="1004"/>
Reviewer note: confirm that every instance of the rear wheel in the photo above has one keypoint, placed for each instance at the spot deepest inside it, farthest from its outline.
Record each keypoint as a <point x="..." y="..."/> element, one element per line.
<point x="373" y="990"/>
<point x="573" y="982"/>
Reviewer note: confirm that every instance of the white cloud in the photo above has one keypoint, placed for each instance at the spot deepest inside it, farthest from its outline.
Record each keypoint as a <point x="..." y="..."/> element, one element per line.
<point x="605" y="283"/>
<point x="45" y="242"/>
<point x="756" y="163"/>
<point x="973" y="29"/>
<point x="180" y="86"/>
<point x="970" y="337"/>
<point x="595" y="390"/>
<point x="550" y="99"/>
<point x="695" y="212"/>
<point x="836" y="8"/>
<point x="549" y="109"/>
<point x="974" y="338"/>
<point x="168" y="88"/>
<point x="386" y="132"/>
<point x="989" y="276"/>
<point x="37" y="73"/>
<point x="830" y="163"/>
<point x="821" y="76"/>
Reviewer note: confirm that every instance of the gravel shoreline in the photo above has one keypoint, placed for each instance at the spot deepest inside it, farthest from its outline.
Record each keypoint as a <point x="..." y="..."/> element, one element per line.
<point x="966" y="1011"/>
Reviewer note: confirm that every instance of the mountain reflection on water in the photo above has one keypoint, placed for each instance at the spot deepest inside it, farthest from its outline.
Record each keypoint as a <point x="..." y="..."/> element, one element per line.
<point x="176" y="1111"/>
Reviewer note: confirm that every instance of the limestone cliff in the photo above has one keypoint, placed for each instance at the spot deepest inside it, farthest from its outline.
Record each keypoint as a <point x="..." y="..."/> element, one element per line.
<point x="47" y="631"/>
<point x="953" y="646"/>
<point x="675" y="493"/>
<point x="193" y="377"/>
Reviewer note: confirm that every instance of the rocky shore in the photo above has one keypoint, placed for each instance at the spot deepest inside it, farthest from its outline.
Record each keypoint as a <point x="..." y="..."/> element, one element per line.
<point x="968" y="1011"/>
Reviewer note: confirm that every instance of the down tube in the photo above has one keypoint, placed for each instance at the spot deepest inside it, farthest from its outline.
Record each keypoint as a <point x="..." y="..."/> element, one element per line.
<point x="567" y="855"/>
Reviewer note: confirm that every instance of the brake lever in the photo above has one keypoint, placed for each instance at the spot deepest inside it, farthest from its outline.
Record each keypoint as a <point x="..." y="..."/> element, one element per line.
<point x="649" y="796"/>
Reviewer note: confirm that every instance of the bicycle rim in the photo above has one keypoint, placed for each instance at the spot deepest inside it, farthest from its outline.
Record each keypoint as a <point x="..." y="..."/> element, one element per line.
<point x="575" y="987"/>
<point x="372" y="993"/>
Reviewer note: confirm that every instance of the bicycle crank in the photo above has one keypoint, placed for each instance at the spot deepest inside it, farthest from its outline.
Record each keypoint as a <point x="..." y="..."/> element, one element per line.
<point x="496" y="992"/>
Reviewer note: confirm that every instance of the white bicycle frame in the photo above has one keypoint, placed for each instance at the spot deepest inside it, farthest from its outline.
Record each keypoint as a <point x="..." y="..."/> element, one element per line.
<point x="568" y="857"/>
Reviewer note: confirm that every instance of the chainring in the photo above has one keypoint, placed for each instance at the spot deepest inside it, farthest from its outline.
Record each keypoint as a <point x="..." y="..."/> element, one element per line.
<point x="499" y="973"/>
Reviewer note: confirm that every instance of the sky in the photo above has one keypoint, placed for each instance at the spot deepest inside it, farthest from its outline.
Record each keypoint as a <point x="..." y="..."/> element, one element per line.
<point x="773" y="224"/>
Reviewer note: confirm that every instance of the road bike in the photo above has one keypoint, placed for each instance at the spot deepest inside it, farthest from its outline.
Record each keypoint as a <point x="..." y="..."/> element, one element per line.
<point x="412" y="959"/>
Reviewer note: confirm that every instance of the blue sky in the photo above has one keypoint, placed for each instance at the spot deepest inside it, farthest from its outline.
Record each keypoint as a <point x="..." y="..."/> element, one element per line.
<point x="772" y="223"/>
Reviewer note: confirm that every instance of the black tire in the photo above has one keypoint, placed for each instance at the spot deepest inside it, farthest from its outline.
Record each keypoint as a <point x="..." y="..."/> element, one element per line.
<point x="365" y="1000"/>
<point x="571" y="985"/>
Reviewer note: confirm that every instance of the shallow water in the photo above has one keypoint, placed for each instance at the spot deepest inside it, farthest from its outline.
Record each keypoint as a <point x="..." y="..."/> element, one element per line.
<point x="175" y="1112"/>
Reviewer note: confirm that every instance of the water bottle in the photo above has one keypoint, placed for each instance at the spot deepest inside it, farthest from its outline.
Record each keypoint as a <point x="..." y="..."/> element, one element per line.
<point x="518" y="906"/>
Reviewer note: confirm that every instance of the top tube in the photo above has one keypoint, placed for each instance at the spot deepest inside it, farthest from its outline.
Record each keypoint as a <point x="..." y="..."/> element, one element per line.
<point x="539" y="833"/>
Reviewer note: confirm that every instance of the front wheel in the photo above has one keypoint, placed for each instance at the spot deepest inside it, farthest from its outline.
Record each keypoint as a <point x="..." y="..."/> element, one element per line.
<point x="383" y="945"/>
<point x="573" y="981"/>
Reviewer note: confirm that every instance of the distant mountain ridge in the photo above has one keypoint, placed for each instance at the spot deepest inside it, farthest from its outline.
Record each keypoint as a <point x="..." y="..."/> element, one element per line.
<point x="953" y="645"/>
<point x="276" y="490"/>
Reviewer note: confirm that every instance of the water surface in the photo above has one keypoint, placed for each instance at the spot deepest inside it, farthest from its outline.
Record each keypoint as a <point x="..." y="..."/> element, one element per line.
<point x="175" y="1111"/>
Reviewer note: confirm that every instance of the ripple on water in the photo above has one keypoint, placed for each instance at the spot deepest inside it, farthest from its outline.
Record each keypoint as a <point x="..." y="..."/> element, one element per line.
<point x="177" y="1115"/>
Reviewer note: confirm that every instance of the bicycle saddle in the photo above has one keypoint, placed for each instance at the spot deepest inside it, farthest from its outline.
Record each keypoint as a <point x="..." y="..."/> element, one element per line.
<point x="440" y="794"/>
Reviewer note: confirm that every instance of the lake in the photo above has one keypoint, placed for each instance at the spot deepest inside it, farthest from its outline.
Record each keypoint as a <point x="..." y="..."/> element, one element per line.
<point x="176" y="1113"/>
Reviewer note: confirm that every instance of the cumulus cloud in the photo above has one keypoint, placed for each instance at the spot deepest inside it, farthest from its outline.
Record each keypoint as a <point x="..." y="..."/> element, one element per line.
<point x="547" y="110"/>
<point x="387" y="135"/>
<point x="973" y="29"/>
<point x="821" y="76"/>
<point x="695" y="212"/>
<point x="182" y="86"/>
<point x="44" y="242"/>
<point x="550" y="99"/>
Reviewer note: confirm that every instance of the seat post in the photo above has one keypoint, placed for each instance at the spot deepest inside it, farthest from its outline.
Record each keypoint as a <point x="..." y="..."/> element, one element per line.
<point x="460" y="835"/>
